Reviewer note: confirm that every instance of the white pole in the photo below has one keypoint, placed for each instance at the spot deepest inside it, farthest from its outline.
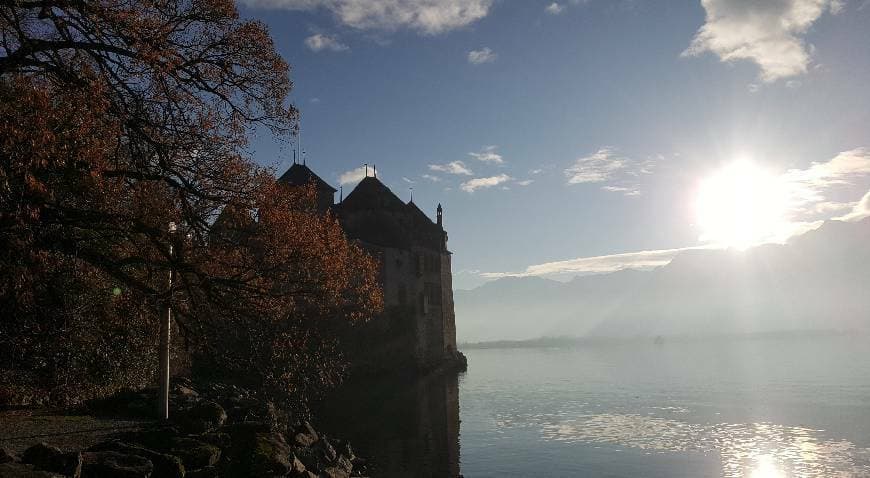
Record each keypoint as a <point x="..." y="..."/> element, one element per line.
<point x="163" y="396"/>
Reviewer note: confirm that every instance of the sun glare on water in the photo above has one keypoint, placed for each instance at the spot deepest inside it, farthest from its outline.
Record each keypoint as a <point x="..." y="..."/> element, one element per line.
<point x="740" y="206"/>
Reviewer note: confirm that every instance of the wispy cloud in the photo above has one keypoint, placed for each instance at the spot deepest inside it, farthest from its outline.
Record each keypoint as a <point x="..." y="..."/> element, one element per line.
<point x="408" y="180"/>
<point x="525" y="182"/>
<point x="426" y="16"/>
<point x="628" y="191"/>
<point x="859" y="211"/>
<point x="488" y="154"/>
<point x="597" y="264"/>
<point x="768" y="33"/>
<point x="607" y="166"/>
<point x="430" y="177"/>
<point x="595" y="168"/>
<point x="480" y="183"/>
<point x="554" y="8"/>
<point x="809" y="188"/>
<point x="484" y="55"/>
<point x="320" y="42"/>
<point x="353" y="176"/>
<point x="453" y="167"/>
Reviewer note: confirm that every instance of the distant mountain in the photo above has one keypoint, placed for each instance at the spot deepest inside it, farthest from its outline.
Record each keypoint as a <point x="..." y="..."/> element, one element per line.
<point x="818" y="281"/>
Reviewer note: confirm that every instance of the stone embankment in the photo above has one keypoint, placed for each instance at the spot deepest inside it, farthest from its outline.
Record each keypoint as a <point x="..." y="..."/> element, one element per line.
<point x="216" y="430"/>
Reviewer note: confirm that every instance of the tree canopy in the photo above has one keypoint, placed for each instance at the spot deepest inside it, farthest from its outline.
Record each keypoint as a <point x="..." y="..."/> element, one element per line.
<point x="116" y="118"/>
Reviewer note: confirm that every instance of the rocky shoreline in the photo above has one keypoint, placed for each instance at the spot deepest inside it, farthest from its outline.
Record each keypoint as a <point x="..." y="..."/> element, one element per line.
<point x="216" y="430"/>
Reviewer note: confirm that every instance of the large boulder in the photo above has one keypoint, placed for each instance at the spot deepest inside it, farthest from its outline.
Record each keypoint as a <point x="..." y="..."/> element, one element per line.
<point x="194" y="453"/>
<point x="158" y="438"/>
<point x="305" y="435"/>
<point x="202" y="417"/>
<point x="112" y="464"/>
<point x="168" y="466"/>
<point x="246" y="409"/>
<point x="270" y="455"/>
<point x="49" y="458"/>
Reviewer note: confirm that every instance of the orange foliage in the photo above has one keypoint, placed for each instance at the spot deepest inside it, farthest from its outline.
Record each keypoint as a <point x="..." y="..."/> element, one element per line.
<point x="117" y="117"/>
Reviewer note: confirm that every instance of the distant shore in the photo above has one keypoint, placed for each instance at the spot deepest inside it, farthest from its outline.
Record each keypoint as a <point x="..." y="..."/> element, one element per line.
<point x="568" y="341"/>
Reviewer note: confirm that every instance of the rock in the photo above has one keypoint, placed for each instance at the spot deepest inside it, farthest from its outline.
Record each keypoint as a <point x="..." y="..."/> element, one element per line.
<point x="111" y="464"/>
<point x="302" y="439"/>
<point x="218" y="439"/>
<point x="164" y="465"/>
<point x="308" y="457"/>
<point x="195" y="454"/>
<point x="49" y="458"/>
<point x="344" y="463"/>
<point x="7" y="456"/>
<point x="154" y="438"/>
<point x="252" y="410"/>
<point x="270" y="455"/>
<point x="307" y="428"/>
<point x="184" y="391"/>
<point x="327" y="450"/>
<point x="203" y="417"/>
<point x="22" y="470"/>
<point x="334" y="472"/>
<point x="297" y="468"/>
<point x="207" y="472"/>
<point x="306" y="435"/>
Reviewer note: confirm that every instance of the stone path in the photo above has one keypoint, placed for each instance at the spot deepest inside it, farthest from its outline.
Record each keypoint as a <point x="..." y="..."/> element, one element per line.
<point x="21" y="428"/>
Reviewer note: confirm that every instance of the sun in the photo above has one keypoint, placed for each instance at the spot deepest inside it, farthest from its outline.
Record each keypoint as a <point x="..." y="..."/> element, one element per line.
<point x="740" y="206"/>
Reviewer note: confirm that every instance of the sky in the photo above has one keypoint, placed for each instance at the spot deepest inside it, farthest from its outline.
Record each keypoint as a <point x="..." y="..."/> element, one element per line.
<point x="585" y="136"/>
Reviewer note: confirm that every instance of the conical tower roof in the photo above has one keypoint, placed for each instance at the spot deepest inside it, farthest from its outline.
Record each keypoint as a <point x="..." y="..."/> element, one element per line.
<point x="300" y="175"/>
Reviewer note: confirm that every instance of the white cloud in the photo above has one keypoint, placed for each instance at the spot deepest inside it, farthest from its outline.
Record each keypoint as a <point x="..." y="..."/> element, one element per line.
<point x="453" y="167"/>
<point x="769" y="33"/>
<point x="484" y="55"/>
<point x="554" y="8"/>
<point x="430" y="177"/>
<point x="477" y="183"/>
<point x="488" y="155"/>
<point x="595" y="168"/>
<point x="627" y="191"/>
<point x="525" y="182"/>
<point x="353" y="176"/>
<point x="597" y="264"/>
<point x="320" y="42"/>
<point x="808" y="187"/>
<point x="860" y="210"/>
<point x="536" y="171"/>
<point x="606" y="166"/>
<point x="427" y="16"/>
<point x="408" y="180"/>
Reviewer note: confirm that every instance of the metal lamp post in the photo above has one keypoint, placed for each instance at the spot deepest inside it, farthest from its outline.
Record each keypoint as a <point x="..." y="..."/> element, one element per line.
<point x="165" y="324"/>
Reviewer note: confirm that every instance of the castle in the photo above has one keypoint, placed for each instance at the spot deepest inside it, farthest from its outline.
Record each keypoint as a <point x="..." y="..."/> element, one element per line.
<point x="418" y="327"/>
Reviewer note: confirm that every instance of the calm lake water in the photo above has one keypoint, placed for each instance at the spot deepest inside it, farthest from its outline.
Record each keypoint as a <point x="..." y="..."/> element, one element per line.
<point x="761" y="408"/>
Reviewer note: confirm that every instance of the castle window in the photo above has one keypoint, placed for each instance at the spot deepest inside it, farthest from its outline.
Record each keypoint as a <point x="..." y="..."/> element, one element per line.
<point x="424" y="303"/>
<point x="420" y="264"/>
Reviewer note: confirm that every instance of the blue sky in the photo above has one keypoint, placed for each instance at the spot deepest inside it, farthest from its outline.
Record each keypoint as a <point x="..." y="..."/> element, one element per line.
<point x="573" y="137"/>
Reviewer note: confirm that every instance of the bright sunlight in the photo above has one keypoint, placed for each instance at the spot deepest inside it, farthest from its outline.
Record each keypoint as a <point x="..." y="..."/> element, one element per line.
<point x="740" y="206"/>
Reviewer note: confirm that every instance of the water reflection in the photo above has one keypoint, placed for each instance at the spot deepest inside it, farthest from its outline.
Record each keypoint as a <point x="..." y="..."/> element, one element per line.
<point x="406" y="428"/>
<point x="762" y="450"/>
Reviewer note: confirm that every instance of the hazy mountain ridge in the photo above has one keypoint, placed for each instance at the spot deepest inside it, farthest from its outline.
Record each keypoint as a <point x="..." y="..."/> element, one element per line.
<point x="818" y="281"/>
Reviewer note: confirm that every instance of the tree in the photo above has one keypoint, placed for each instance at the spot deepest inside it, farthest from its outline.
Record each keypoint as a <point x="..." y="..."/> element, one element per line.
<point x="117" y="117"/>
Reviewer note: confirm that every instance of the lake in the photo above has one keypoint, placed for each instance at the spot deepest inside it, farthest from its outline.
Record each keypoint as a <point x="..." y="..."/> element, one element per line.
<point x="761" y="408"/>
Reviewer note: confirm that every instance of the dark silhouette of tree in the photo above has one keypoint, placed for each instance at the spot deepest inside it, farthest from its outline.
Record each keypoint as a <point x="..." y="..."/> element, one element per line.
<point x="116" y="118"/>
